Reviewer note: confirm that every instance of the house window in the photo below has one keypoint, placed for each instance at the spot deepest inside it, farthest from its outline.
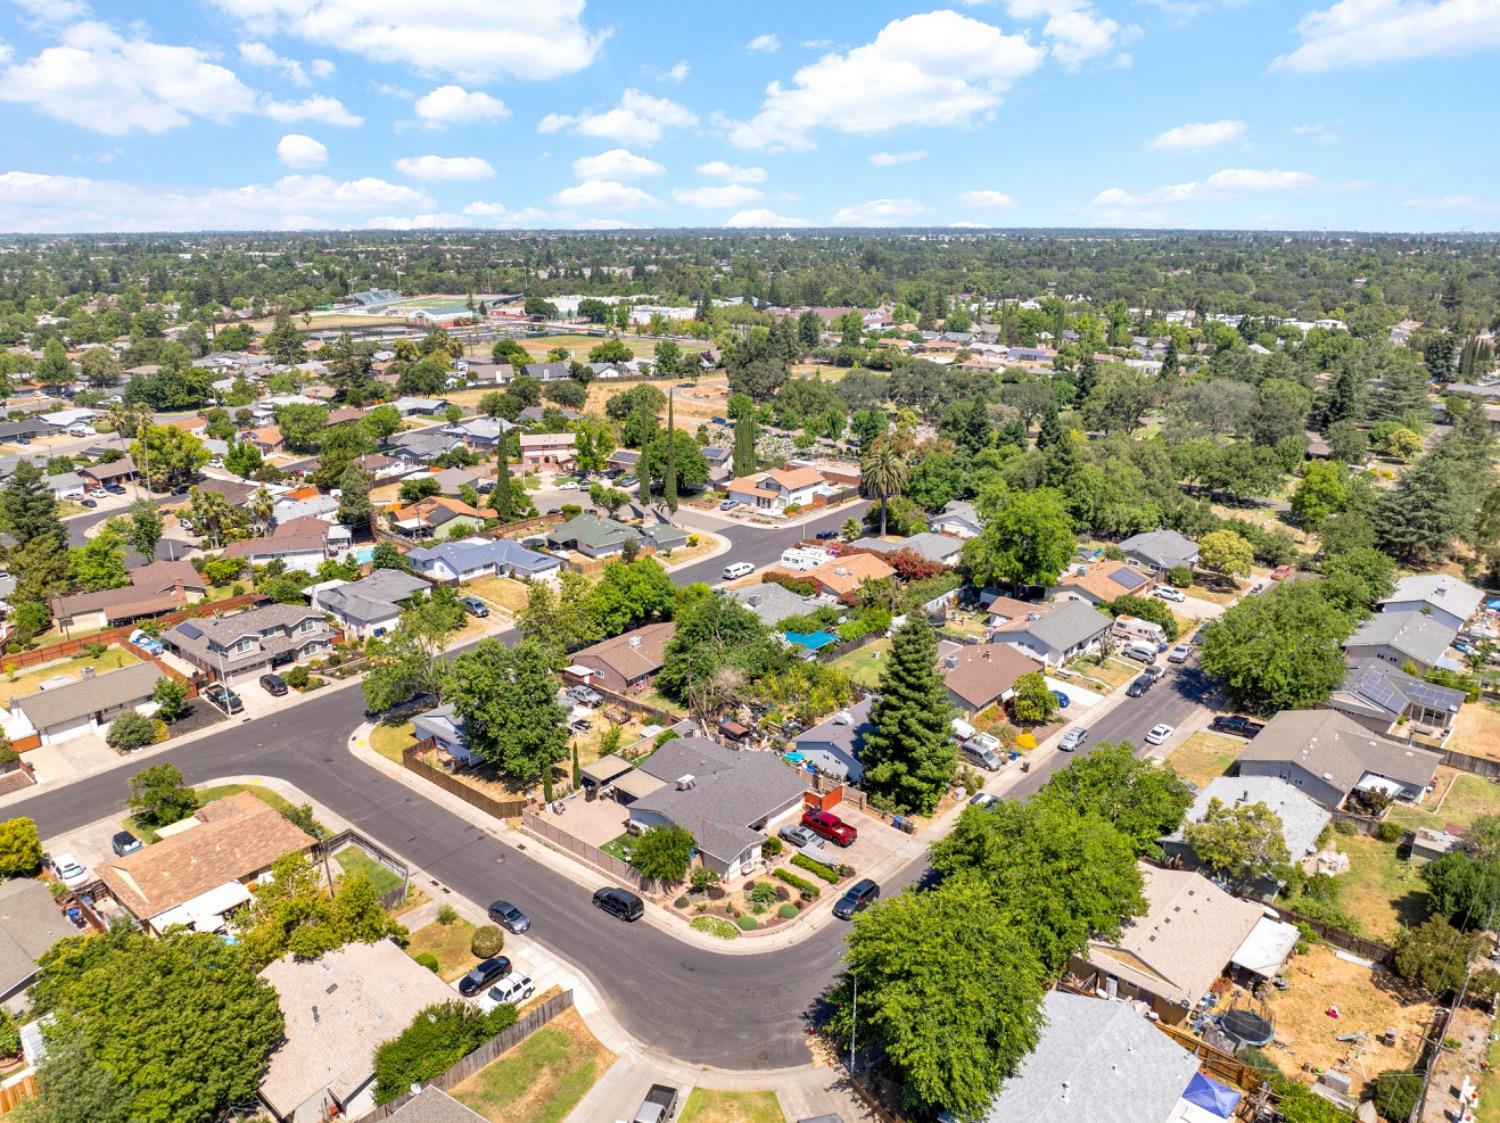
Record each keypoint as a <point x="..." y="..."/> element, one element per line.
<point x="242" y="646"/>
<point x="309" y="624"/>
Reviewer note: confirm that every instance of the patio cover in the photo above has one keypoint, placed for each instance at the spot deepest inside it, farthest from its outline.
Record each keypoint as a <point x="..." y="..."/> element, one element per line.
<point x="637" y="784"/>
<point x="205" y="912"/>
<point x="605" y="769"/>
<point x="1266" y="948"/>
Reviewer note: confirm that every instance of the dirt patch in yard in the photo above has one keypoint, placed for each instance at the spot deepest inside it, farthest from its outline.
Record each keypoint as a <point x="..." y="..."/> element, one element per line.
<point x="1368" y="1000"/>
<point x="1476" y="730"/>
<point x="1204" y="757"/>
<point x="543" y="1078"/>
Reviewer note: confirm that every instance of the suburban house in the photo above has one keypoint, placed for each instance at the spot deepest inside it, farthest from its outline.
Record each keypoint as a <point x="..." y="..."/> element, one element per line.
<point x="780" y="488"/>
<point x="727" y="800"/>
<point x="771" y="603"/>
<point x="339" y="1009"/>
<point x="626" y="663"/>
<point x="623" y="460"/>
<point x="233" y="648"/>
<point x="1192" y="932"/>
<point x="473" y="558"/>
<point x="1330" y="756"/>
<point x="1062" y="632"/>
<point x="235" y="492"/>
<point x="1443" y="597"/>
<point x="115" y="472"/>
<point x="1302" y="818"/>
<point x="372" y="605"/>
<point x="979" y="676"/>
<point x="833" y="748"/>
<point x="445" y="726"/>
<point x="30" y="923"/>
<point x="439" y="514"/>
<point x="419" y="407"/>
<point x="940" y="548"/>
<point x="422" y="446"/>
<point x="536" y="415"/>
<point x="433" y="1105"/>
<point x="845" y="574"/>
<point x="154" y="589"/>
<point x="1096" y="1062"/>
<point x="547" y="372"/>
<point x="549" y="452"/>
<point x="480" y="432"/>
<point x="720" y="464"/>
<point x="199" y="873"/>
<point x="1160" y="550"/>
<point x="1099" y="583"/>
<point x="88" y="705"/>
<point x="1380" y="697"/>
<point x="65" y="485"/>
<point x="267" y="439"/>
<point x="304" y="552"/>
<point x="596" y="537"/>
<point x="1399" y="638"/>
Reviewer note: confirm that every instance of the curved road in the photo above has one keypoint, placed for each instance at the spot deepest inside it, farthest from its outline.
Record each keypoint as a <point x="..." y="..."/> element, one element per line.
<point x="731" y="1011"/>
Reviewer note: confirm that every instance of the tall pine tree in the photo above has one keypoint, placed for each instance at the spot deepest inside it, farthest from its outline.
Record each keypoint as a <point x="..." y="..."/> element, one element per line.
<point x="503" y="507"/>
<point x="908" y="756"/>
<point x="669" y="473"/>
<point x="1170" y="361"/>
<point x="744" y="444"/>
<point x="1086" y="378"/>
<point x="1050" y="432"/>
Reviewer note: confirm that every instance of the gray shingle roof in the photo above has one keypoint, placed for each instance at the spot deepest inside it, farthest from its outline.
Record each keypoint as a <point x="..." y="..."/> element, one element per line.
<point x="91" y="695"/>
<point x="1302" y="817"/>
<point x="1379" y="689"/>
<point x="30" y="923"/>
<point x="771" y="603"/>
<point x="372" y="598"/>
<point x="1441" y="590"/>
<point x="1162" y="548"/>
<point x="464" y="556"/>
<point x="1330" y="745"/>
<point x="1064" y="626"/>
<point x="842" y="741"/>
<point x="1422" y="638"/>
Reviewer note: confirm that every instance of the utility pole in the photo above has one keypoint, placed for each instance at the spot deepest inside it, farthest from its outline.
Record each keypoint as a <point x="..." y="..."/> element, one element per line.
<point x="853" y="1024"/>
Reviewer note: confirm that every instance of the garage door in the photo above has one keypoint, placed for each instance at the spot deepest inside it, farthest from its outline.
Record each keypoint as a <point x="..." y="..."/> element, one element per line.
<point x="67" y="730"/>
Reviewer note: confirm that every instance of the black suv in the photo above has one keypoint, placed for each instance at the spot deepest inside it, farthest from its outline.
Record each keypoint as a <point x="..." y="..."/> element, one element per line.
<point x="620" y="902"/>
<point x="862" y="894"/>
<point x="1138" y="686"/>
<point x="274" y="685"/>
<point x="483" y="975"/>
<point x="1236" y="726"/>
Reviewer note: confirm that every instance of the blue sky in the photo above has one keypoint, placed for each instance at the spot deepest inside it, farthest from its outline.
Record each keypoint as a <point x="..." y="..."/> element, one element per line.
<point x="497" y="114"/>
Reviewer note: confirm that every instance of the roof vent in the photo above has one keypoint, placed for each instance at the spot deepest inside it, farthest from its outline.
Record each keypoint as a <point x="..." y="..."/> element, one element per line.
<point x="843" y="717"/>
<point x="951" y="662"/>
<point x="634" y="641"/>
<point x="317" y="1021"/>
<point x="1328" y="777"/>
<point x="1033" y="616"/>
<point x="687" y="782"/>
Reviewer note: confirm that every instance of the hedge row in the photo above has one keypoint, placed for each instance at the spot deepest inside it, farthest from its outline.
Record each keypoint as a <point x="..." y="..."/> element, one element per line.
<point x="816" y="868"/>
<point x="808" y="890"/>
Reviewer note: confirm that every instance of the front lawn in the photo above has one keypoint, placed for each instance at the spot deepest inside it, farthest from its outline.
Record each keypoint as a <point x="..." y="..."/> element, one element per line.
<point x="449" y="943"/>
<point x="353" y="860"/>
<point x="1204" y="757"/>
<point x="543" y="1078"/>
<point x="390" y="740"/>
<point x="704" y="1106"/>
<point x="503" y="592"/>
<point x="1113" y="672"/>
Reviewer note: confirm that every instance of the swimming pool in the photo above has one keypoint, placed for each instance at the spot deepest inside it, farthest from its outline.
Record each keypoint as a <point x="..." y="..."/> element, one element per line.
<point x="364" y="555"/>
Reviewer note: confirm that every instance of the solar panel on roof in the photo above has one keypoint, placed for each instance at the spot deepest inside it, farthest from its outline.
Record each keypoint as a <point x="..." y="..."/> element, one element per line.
<point x="1380" y="691"/>
<point x="1128" y="578"/>
<point x="191" y="630"/>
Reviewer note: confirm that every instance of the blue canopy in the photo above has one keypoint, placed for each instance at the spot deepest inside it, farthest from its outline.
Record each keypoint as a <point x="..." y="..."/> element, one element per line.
<point x="811" y="640"/>
<point x="1211" y="1096"/>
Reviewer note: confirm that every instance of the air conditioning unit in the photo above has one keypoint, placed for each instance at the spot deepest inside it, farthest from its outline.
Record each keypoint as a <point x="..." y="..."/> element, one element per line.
<point x="687" y="783"/>
<point x="843" y="717"/>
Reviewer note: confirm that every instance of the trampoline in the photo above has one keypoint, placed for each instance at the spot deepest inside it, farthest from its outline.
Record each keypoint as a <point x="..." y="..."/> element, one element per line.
<point x="1247" y="1027"/>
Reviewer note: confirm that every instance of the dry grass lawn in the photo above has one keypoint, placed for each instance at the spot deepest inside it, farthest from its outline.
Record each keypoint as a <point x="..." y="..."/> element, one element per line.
<point x="1204" y="757"/>
<point x="1459" y="799"/>
<point x="503" y="592"/>
<point x="449" y="943"/>
<point x="1368" y="1001"/>
<point x="686" y="555"/>
<point x="1112" y="673"/>
<point x="542" y="1079"/>
<point x="30" y="681"/>
<point x="1477" y="730"/>
<point x="704" y="1106"/>
<point x="864" y="666"/>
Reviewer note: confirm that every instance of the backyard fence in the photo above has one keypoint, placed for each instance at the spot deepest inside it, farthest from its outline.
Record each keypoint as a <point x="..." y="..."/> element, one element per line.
<point x="17" y="1089"/>
<point x="326" y="849"/>
<point x="1348" y="941"/>
<point x="535" y="825"/>
<point x="838" y="650"/>
<point x="1213" y="1061"/>
<point x="867" y="1096"/>
<point x="495" y="1047"/>
<point x="499" y="808"/>
<point x="525" y="526"/>
<point x="1364" y="824"/>
<point x="636" y="706"/>
<point x="1480" y="766"/>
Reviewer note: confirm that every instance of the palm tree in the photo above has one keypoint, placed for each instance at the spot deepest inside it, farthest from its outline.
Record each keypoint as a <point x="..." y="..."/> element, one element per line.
<point x="882" y="475"/>
<point x="261" y="507"/>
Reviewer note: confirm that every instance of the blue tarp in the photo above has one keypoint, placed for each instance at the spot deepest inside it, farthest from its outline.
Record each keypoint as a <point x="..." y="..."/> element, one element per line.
<point x="1212" y="1096"/>
<point x="811" y="640"/>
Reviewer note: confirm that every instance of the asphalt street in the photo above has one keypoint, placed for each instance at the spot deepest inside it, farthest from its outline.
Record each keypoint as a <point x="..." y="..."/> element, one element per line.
<point x="733" y="1011"/>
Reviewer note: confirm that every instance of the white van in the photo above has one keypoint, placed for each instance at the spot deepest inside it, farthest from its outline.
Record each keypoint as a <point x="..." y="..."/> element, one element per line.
<point x="802" y="558"/>
<point x="735" y="570"/>
<point x="1133" y="627"/>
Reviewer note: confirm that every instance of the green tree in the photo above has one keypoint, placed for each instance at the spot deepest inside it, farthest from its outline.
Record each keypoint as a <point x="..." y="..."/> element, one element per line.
<point x="294" y="912"/>
<point x="662" y="854"/>
<point x="1028" y="538"/>
<point x="718" y="647"/>
<point x="20" y="848"/>
<point x="437" y="1039"/>
<point x="54" y="369"/>
<point x="100" y="562"/>
<point x="354" y="496"/>
<point x="946" y="992"/>
<point x="503" y="497"/>
<point x="168" y="455"/>
<point x="883" y="473"/>
<point x="71" y="1086"/>
<point x="608" y="499"/>
<point x="1141" y="799"/>
<point x="746" y="433"/>
<point x="1224" y="551"/>
<point x="560" y="618"/>
<point x="611" y="351"/>
<point x="145" y="527"/>
<point x="350" y="369"/>
<point x="681" y="454"/>
<point x="243" y="459"/>
<point x="170" y="696"/>
<point x="1436" y="954"/>
<point x="284" y="342"/>
<point x="1243" y="842"/>
<point x="28" y="508"/>
<point x="1396" y="1094"/>
<point x="668" y="357"/>
<point x="182" y="1023"/>
<point x="159" y="797"/>
<point x="129" y="731"/>
<point x="507" y="698"/>
<point x="1034" y="702"/>
<point x="1464" y="884"/>
<point x="1324" y="491"/>
<point x="632" y="593"/>
<point x="909" y="757"/>
<point x="1278" y="651"/>
<point x="670" y="468"/>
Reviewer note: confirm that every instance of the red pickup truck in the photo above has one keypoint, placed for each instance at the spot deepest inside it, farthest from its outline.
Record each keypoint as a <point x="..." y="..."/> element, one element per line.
<point x="830" y="826"/>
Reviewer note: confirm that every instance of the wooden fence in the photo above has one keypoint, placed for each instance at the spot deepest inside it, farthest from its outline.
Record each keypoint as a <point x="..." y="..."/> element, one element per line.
<point x="866" y="1095"/>
<point x="17" y="1089"/>
<point x="838" y="650"/>
<point x="1480" y="766"/>
<point x="636" y="706"/>
<point x="328" y="847"/>
<point x="499" y="808"/>
<point x="1215" y="1062"/>
<point x="492" y="1049"/>
<point x="1339" y="938"/>
<point x="525" y="526"/>
<point x="608" y="864"/>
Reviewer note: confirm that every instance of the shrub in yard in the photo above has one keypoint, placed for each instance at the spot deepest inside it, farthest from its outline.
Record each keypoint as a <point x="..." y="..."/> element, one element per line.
<point x="10" y="1035"/>
<point x="715" y="926"/>
<point x="1389" y="832"/>
<point x="762" y="897"/>
<point x="429" y="961"/>
<point x="1395" y="1094"/>
<point x="787" y="911"/>
<point x="1343" y="826"/>
<point x="130" y="731"/>
<point x="447" y="915"/>
<point x="488" y="942"/>
<point x="748" y="923"/>
<point x="1180" y="576"/>
<point x="680" y="903"/>
<point x="808" y="890"/>
<point x="295" y="677"/>
<point x="816" y="868"/>
<point x="772" y="847"/>
<point x="715" y="893"/>
<point x="438" y="1038"/>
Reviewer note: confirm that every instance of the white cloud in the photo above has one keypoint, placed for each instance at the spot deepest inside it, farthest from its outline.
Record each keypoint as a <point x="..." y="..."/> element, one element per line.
<point x="5" y="52"/>
<point x="986" y="198"/>
<point x="419" y="222"/>
<point x="1364" y="32"/>
<point x="298" y="151"/>
<point x="1316" y="133"/>
<point x="879" y="212"/>
<point x="505" y="216"/>
<point x="30" y="202"/>
<point x="638" y="119"/>
<point x="817" y="44"/>
<point x="1196" y="136"/>
<point x="454" y="105"/>
<point x="732" y="173"/>
<point x="445" y="167"/>
<point x="42" y="12"/>
<point x="719" y="195"/>
<point x="676" y="73"/>
<point x="1075" y="31"/>
<point x="933" y="69"/>
<point x="473" y="40"/>
<point x="260" y="54"/>
<point x="617" y="163"/>
<point x="319" y="107"/>
<point x="1448" y="203"/>
<point x="1222" y="185"/>
<point x="968" y="224"/>
<point x="98" y="79"/>
<point x="767" y="43"/>
<point x="760" y="216"/>
<point x="891" y="159"/>
<point x="605" y="195"/>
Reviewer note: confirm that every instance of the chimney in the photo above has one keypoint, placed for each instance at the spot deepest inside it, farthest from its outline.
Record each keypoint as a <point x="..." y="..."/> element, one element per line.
<point x="635" y="641"/>
<point x="317" y="1021"/>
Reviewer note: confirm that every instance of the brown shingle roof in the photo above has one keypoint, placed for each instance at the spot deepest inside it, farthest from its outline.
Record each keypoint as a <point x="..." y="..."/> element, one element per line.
<point x="984" y="672"/>
<point x="633" y="661"/>
<point x="235" y="837"/>
<point x="845" y="574"/>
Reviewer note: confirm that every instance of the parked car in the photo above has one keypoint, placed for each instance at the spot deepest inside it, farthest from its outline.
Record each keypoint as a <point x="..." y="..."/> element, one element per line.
<point x="70" y="870"/>
<point x="124" y="843"/>
<point x="583" y="695"/>
<point x="146" y="643"/>
<point x="983" y="799"/>
<point x="626" y="481"/>
<point x="1180" y="654"/>
<point x="474" y="606"/>
<point x="115" y="489"/>
<point x="98" y="493"/>
<point x="274" y="685"/>
<point x="513" y="989"/>
<point x="798" y="835"/>
<point x="225" y="699"/>
<point x="509" y="917"/>
<point x="830" y="826"/>
<point x="1063" y="701"/>
<point x="735" y="570"/>
<point x="483" y="975"/>
<point x="1235" y="725"/>
<point x="1140" y="651"/>
<point x="619" y="902"/>
<point x="1155" y="672"/>
<point x="1282" y="572"/>
<point x="1138" y="686"/>
<point x="825" y="535"/>
<point x="1072" y="739"/>
<point x="1159" y="734"/>
<point x="568" y="485"/>
<point x="861" y="895"/>
<point x="659" y="1106"/>
<point x="729" y="504"/>
<point x="89" y="503"/>
<point x="1169" y="592"/>
<point x="981" y="754"/>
